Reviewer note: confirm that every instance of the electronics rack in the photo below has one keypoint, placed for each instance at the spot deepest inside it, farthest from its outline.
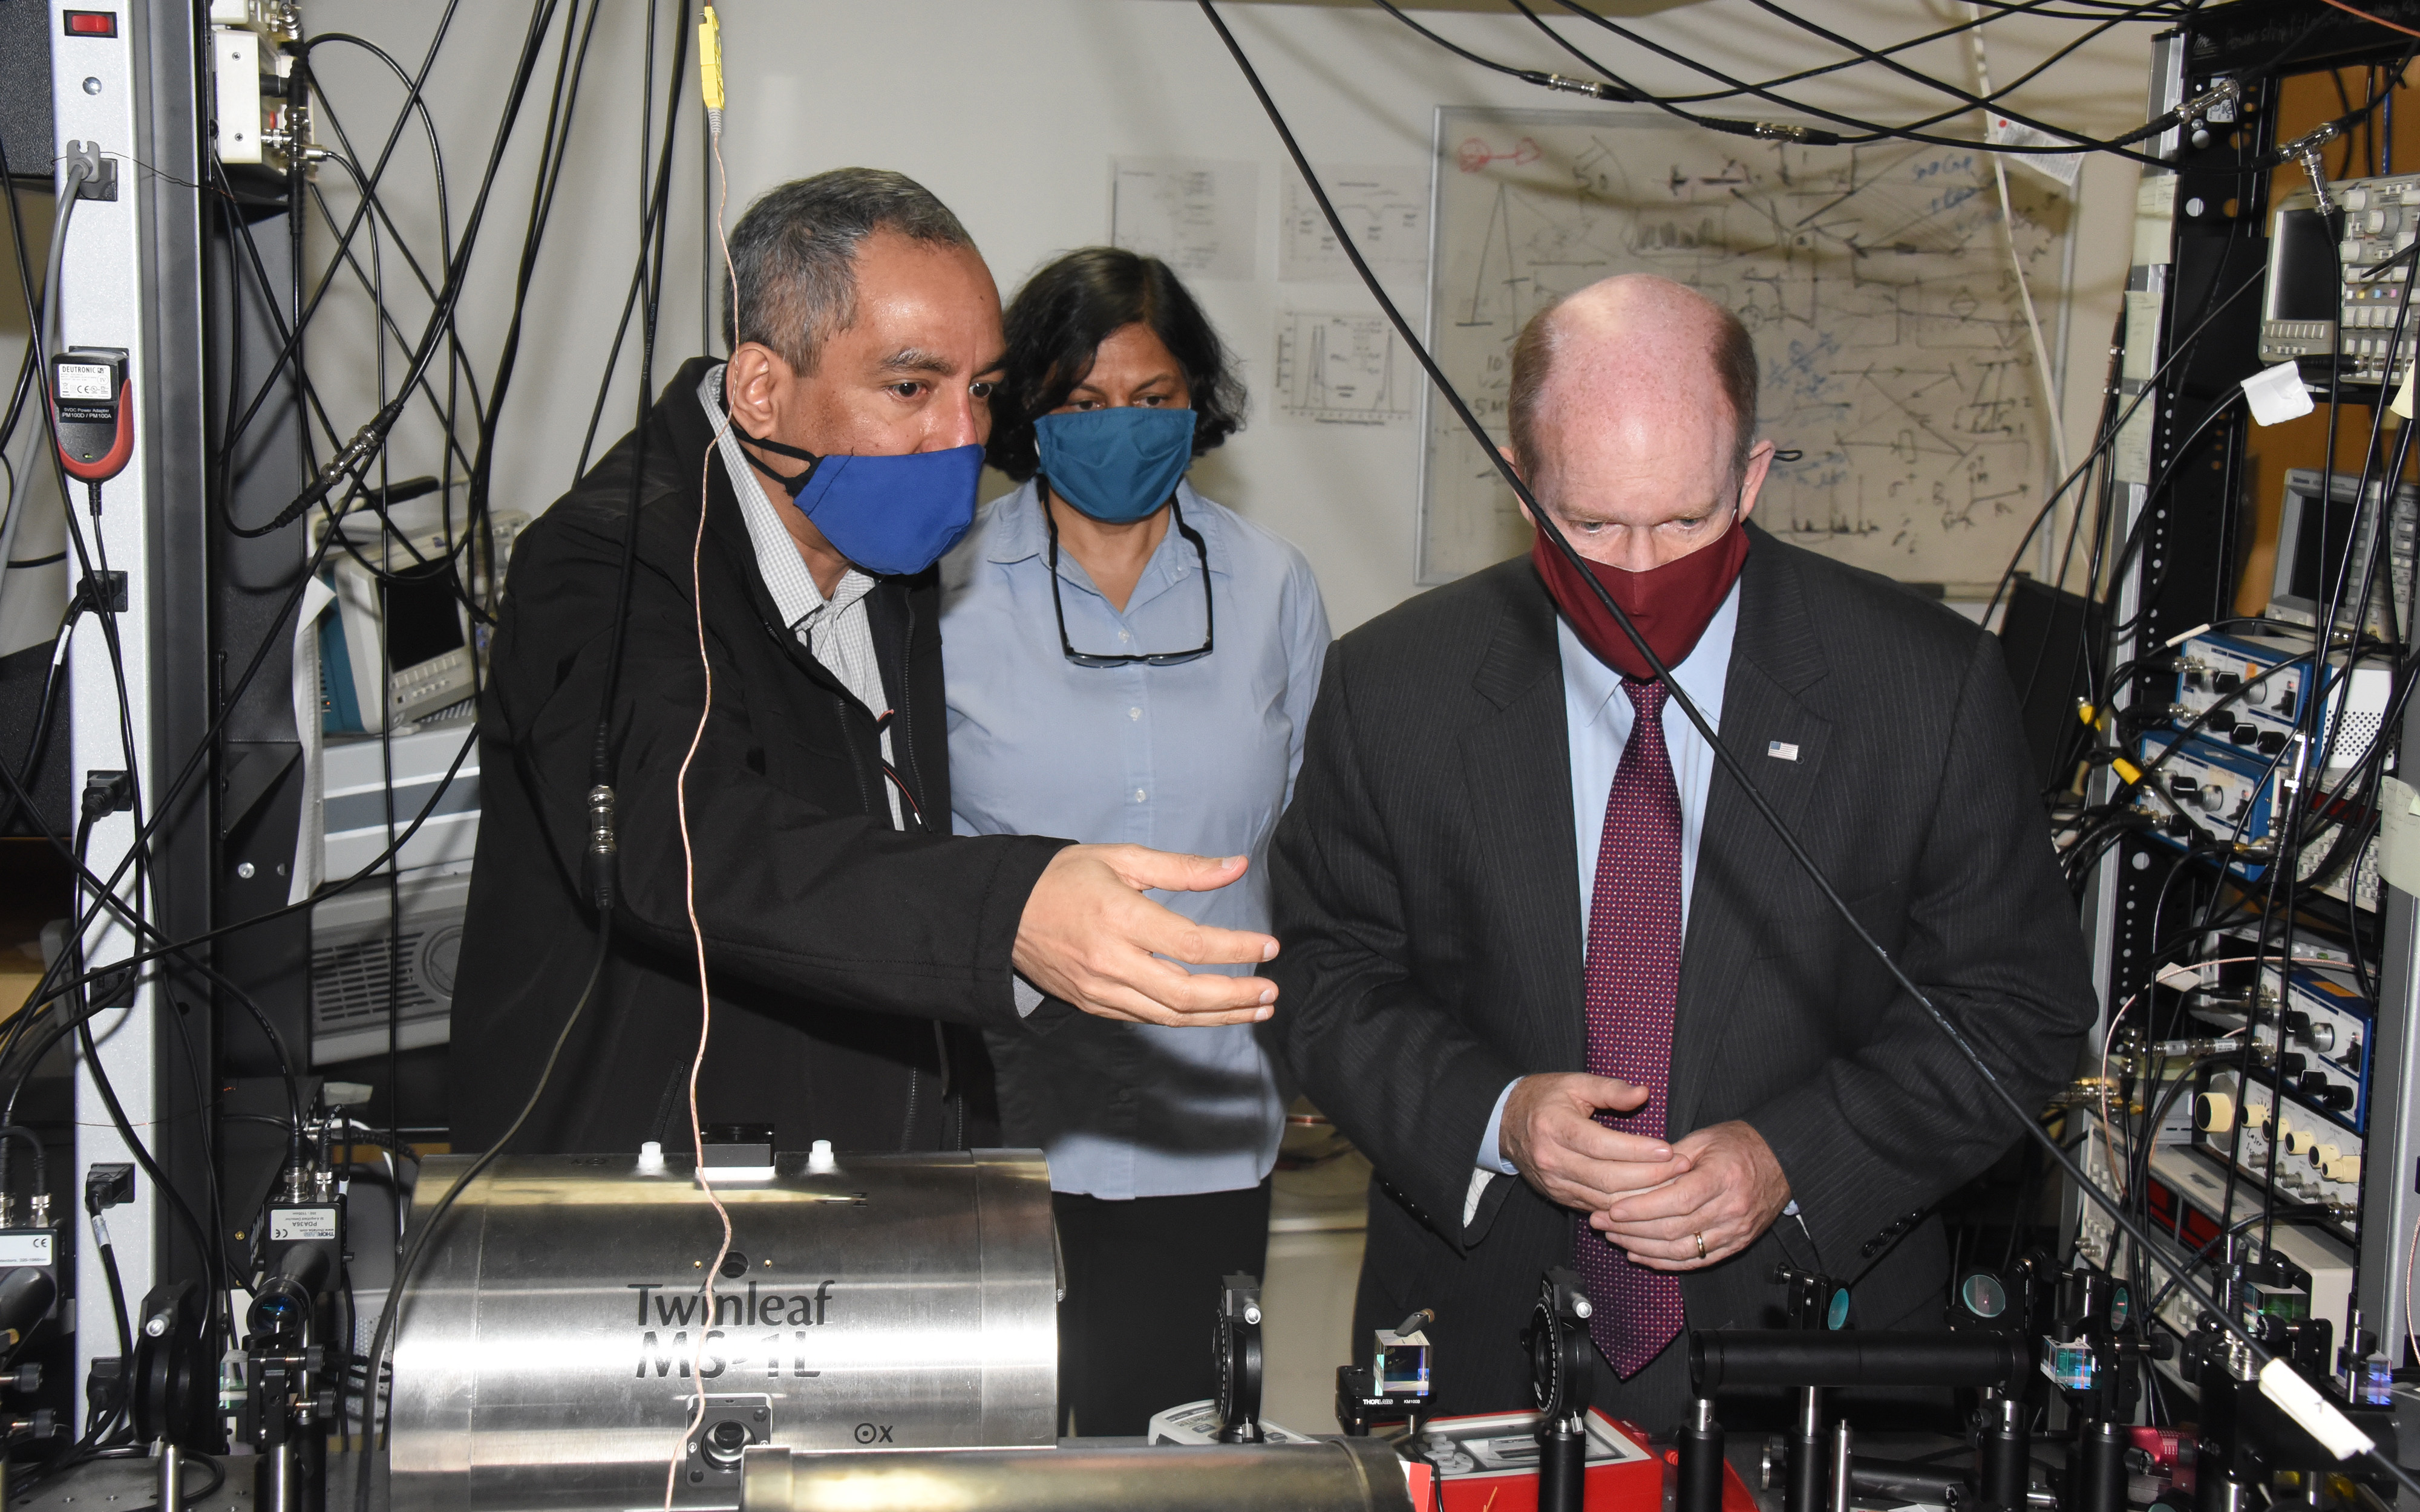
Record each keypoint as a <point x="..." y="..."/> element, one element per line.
<point x="186" y="254"/>
<point x="2321" y="1218"/>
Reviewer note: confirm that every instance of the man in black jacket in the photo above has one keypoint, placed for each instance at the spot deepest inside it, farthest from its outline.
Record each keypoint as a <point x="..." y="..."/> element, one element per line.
<point x="1552" y="972"/>
<point x="797" y="848"/>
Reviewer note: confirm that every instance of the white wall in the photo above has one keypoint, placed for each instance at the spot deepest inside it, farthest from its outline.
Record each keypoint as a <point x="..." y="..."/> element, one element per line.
<point x="34" y="597"/>
<point x="1010" y="112"/>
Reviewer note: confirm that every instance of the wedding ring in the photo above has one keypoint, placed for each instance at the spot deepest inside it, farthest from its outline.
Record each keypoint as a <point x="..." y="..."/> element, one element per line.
<point x="1702" y="1244"/>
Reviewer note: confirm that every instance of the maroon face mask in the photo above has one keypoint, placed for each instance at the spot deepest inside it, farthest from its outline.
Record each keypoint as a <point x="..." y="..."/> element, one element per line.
<point x="1671" y="604"/>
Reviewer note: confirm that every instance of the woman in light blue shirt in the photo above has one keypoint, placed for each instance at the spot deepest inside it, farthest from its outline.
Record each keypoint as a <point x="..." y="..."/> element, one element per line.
<point x="1129" y="662"/>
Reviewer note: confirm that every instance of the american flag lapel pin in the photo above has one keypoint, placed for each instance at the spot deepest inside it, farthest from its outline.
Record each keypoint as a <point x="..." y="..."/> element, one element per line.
<point x="1781" y="751"/>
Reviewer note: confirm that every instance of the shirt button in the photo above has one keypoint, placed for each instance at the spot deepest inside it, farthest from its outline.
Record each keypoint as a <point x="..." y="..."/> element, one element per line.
<point x="1134" y="714"/>
<point x="1125" y="636"/>
<point x="1137" y="795"/>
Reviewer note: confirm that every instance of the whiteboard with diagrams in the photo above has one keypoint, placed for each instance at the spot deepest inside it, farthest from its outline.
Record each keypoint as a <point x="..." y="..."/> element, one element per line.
<point x="1875" y="280"/>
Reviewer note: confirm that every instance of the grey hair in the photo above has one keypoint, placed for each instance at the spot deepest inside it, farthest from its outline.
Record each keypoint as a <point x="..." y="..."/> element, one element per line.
<point x="793" y="255"/>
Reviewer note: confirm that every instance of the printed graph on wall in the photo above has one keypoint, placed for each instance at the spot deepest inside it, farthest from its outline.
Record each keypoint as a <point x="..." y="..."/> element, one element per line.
<point x="1875" y="280"/>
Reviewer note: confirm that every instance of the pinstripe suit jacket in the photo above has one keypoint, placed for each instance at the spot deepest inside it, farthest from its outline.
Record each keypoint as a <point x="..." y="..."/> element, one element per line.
<point x="1432" y="938"/>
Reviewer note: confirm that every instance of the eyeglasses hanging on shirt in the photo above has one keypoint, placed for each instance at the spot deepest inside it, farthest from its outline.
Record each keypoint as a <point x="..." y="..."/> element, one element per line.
<point x="1148" y="658"/>
<point x="1117" y="465"/>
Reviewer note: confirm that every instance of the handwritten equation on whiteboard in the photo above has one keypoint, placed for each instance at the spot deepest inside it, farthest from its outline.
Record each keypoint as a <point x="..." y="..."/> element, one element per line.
<point x="1875" y="281"/>
<point x="1343" y="370"/>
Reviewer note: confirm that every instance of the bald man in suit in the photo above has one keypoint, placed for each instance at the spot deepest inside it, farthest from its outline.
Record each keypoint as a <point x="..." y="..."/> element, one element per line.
<point x="1552" y="972"/>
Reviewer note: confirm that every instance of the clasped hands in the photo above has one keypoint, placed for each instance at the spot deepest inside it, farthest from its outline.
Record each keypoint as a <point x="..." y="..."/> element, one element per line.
<point x="1656" y="1199"/>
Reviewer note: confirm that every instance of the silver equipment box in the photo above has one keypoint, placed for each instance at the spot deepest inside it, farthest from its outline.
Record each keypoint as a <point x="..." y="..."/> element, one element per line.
<point x="358" y="973"/>
<point x="543" y="1357"/>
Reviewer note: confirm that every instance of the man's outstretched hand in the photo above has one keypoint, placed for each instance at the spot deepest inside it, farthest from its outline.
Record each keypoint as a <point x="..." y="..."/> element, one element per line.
<point x="1089" y="935"/>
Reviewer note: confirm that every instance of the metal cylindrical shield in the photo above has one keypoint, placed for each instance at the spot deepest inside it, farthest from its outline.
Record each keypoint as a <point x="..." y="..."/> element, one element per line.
<point x="552" y="1349"/>
<point x="1332" y="1475"/>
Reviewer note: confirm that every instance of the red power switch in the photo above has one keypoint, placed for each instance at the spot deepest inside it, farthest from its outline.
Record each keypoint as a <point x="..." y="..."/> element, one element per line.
<point x="91" y="23"/>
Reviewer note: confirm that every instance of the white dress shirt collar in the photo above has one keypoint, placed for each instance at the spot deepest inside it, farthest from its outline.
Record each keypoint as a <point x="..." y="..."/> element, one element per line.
<point x="1591" y="684"/>
<point x="795" y="597"/>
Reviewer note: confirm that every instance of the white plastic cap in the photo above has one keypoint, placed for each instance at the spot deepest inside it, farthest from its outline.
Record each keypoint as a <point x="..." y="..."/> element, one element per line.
<point x="651" y="1155"/>
<point x="819" y="1156"/>
<point x="2277" y="394"/>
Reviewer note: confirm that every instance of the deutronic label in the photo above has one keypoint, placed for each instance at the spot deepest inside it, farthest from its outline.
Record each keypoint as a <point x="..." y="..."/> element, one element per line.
<point x="84" y="380"/>
<point x="301" y="1223"/>
<point x="25" y="1248"/>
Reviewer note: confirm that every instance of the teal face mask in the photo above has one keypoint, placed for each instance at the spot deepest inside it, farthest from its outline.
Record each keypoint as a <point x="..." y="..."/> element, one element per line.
<point x="1115" y="465"/>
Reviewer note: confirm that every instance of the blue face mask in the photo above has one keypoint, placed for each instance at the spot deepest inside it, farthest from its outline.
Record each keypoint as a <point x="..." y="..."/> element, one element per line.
<point x="1115" y="465"/>
<point x="889" y="515"/>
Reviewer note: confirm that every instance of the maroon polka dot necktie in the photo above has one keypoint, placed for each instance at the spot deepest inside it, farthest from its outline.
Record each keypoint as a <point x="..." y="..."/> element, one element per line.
<point x="1633" y="977"/>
